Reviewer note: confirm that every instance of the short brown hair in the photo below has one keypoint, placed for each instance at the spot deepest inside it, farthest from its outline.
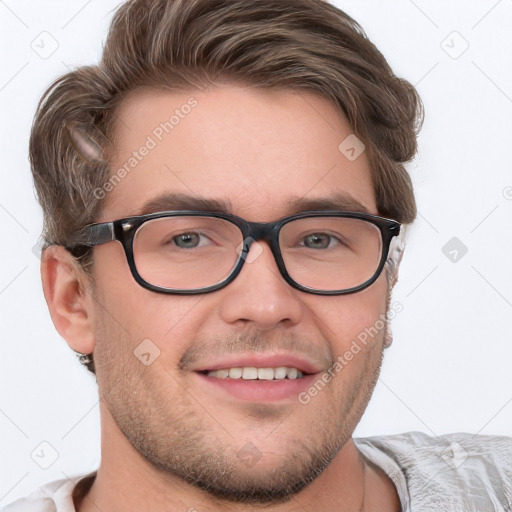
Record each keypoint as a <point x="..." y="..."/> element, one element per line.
<point x="303" y="45"/>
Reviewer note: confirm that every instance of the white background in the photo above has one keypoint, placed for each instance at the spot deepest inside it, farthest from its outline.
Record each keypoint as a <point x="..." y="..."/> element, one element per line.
<point x="449" y="368"/>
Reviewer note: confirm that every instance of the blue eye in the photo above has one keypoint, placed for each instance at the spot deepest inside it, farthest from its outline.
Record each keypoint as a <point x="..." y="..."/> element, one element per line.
<point x="188" y="240"/>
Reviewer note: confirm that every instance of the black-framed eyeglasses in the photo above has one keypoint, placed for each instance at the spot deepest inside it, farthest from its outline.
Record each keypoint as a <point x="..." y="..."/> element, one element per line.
<point x="190" y="251"/>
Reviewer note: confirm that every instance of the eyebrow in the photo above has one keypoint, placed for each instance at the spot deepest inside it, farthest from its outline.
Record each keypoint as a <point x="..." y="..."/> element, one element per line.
<point x="176" y="201"/>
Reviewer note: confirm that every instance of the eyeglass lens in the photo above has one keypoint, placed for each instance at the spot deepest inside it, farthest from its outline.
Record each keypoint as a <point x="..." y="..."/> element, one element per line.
<point x="193" y="252"/>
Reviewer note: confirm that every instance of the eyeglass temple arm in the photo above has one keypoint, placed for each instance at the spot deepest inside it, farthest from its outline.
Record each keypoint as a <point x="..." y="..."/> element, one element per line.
<point x="95" y="234"/>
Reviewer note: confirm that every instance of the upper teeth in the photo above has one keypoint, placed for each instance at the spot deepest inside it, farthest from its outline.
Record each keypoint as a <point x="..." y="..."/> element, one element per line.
<point x="252" y="373"/>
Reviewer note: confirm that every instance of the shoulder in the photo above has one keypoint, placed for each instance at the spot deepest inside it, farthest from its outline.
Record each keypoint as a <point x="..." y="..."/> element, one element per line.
<point x="458" y="469"/>
<point x="52" y="497"/>
<point x="457" y="445"/>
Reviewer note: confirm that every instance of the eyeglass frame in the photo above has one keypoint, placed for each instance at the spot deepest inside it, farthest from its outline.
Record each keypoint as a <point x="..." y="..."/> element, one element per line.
<point x="124" y="230"/>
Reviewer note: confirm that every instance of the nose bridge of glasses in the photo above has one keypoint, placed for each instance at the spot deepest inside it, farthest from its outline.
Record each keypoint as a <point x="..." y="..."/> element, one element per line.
<point x="263" y="231"/>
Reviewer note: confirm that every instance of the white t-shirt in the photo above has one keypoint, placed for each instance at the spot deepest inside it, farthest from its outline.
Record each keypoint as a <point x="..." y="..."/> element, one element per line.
<point x="449" y="473"/>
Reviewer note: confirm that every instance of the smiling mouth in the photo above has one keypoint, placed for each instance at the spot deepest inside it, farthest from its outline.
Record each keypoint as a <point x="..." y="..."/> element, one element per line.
<point x="253" y="373"/>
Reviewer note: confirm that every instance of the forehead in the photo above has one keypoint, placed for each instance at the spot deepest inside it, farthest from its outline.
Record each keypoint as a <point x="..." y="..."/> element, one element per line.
<point x="258" y="150"/>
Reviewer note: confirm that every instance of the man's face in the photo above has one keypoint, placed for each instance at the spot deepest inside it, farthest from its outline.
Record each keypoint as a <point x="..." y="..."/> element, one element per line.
<point x="259" y="150"/>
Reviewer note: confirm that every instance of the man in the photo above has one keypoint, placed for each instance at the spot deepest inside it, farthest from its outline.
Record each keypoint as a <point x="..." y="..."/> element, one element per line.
<point x="225" y="201"/>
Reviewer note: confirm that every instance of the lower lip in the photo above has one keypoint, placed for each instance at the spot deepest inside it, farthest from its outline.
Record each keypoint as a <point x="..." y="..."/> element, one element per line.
<point x="261" y="390"/>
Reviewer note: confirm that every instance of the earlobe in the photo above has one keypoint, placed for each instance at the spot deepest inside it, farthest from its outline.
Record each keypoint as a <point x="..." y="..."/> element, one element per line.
<point x="65" y="288"/>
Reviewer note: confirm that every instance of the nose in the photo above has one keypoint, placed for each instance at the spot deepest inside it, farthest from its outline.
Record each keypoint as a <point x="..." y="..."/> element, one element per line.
<point x="259" y="295"/>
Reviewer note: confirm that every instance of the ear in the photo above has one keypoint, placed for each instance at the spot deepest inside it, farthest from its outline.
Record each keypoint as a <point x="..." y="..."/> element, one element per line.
<point x="396" y="252"/>
<point x="66" y="288"/>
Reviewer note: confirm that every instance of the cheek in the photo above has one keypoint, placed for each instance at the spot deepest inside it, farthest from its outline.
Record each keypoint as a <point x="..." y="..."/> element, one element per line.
<point x="134" y="314"/>
<point x="355" y="327"/>
<point x="355" y="318"/>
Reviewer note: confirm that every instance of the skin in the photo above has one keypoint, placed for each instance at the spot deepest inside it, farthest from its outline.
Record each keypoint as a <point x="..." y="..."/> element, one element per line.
<point x="160" y="423"/>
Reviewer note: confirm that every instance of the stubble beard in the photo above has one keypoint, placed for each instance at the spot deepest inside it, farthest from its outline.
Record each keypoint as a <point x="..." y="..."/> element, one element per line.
<point x="179" y="438"/>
